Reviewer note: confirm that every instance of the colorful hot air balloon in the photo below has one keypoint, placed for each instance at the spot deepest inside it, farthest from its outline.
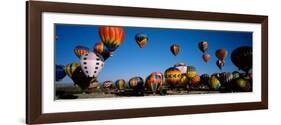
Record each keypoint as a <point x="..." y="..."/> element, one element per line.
<point x="154" y="81"/>
<point x="195" y="80"/>
<point x="206" y="57"/>
<point x="181" y="66"/>
<point x="141" y="39"/>
<point x="120" y="84"/>
<point x="70" y="68"/>
<point x="80" y="79"/>
<point x="214" y="83"/>
<point x="91" y="64"/>
<point x="190" y="72"/>
<point x="136" y="83"/>
<point x="242" y="58"/>
<point x="220" y="64"/>
<point x="175" y="49"/>
<point x="81" y="50"/>
<point x="107" y="84"/>
<point x="173" y="76"/>
<point x="183" y="81"/>
<point x="203" y="46"/>
<point x="99" y="48"/>
<point x="60" y="73"/>
<point x="226" y="77"/>
<point x="221" y="54"/>
<point x="111" y="36"/>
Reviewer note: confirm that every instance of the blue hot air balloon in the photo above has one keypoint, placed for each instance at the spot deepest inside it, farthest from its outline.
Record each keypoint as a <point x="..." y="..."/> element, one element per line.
<point x="60" y="73"/>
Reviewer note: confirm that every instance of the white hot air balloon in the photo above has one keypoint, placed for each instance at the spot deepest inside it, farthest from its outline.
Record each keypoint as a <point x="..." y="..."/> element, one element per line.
<point x="91" y="64"/>
<point x="182" y="67"/>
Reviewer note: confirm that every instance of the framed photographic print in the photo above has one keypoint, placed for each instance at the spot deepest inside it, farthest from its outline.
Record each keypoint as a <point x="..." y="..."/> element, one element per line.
<point x="93" y="62"/>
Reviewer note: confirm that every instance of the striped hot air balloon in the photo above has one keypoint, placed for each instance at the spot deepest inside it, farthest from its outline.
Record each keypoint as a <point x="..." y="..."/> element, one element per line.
<point x="81" y="50"/>
<point x="111" y="36"/>
<point x="154" y="82"/>
<point x="120" y="84"/>
<point x="173" y="76"/>
<point x="203" y="46"/>
<point x="175" y="49"/>
<point x="70" y="68"/>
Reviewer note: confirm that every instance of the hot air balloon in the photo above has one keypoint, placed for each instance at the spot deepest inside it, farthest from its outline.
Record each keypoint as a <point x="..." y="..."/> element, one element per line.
<point x="220" y="64"/>
<point x="60" y="73"/>
<point x="206" y="57"/>
<point x="221" y="54"/>
<point x="175" y="49"/>
<point x="70" y="68"/>
<point x="173" y="76"/>
<point x="183" y="81"/>
<point x="81" y="50"/>
<point x="80" y="79"/>
<point x="111" y="36"/>
<point x="242" y="58"/>
<point x="243" y="84"/>
<point x="141" y="39"/>
<point x="235" y="74"/>
<point x="107" y="84"/>
<point x="136" y="83"/>
<point x="195" y="80"/>
<point x="204" y="79"/>
<point x="153" y="82"/>
<point x="99" y="48"/>
<point x="214" y="83"/>
<point x="203" y="46"/>
<point x="91" y="64"/>
<point x="191" y="72"/>
<point x="181" y="66"/>
<point x="226" y="77"/>
<point x="120" y="85"/>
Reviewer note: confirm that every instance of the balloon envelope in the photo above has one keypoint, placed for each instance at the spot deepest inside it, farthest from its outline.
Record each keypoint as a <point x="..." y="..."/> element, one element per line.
<point x="221" y="53"/>
<point x="70" y="68"/>
<point x="153" y="81"/>
<point x="206" y="57"/>
<point x="81" y="79"/>
<point x="107" y="84"/>
<point x="99" y="48"/>
<point x="136" y="83"/>
<point x="182" y="67"/>
<point x="220" y="64"/>
<point x="141" y="39"/>
<point x="81" y="50"/>
<point x="242" y="58"/>
<point x="120" y="84"/>
<point x="175" y="49"/>
<point x="91" y="64"/>
<point x="111" y="36"/>
<point x="60" y="73"/>
<point x="172" y="75"/>
<point x="203" y="46"/>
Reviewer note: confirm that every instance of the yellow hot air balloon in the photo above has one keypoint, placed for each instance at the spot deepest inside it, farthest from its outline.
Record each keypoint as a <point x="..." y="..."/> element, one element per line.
<point x="70" y="68"/>
<point x="214" y="83"/>
<point x="173" y="76"/>
<point x="190" y="72"/>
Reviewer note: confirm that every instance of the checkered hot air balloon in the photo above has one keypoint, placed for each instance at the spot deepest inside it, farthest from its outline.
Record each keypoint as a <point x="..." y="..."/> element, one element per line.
<point x="111" y="36"/>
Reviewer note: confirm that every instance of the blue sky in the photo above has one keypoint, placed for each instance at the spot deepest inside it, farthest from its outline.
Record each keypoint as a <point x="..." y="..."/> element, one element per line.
<point x="130" y="60"/>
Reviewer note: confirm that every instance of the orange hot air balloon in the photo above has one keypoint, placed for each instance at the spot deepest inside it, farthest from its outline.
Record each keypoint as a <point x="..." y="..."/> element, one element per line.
<point x="81" y="50"/>
<point x="175" y="49"/>
<point x="206" y="57"/>
<point x="195" y="80"/>
<point x="99" y="48"/>
<point x="221" y="53"/>
<point x="111" y="36"/>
